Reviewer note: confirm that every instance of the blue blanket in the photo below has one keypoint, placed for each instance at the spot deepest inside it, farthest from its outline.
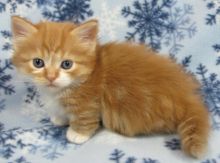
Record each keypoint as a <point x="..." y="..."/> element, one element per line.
<point x="188" y="31"/>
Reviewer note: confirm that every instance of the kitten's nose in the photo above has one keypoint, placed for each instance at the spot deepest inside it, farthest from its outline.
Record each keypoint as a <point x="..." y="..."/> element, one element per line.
<point x="51" y="78"/>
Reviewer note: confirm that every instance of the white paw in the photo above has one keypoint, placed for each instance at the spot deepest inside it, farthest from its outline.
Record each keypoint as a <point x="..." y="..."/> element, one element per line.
<point x="75" y="137"/>
<point x="59" y="121"/>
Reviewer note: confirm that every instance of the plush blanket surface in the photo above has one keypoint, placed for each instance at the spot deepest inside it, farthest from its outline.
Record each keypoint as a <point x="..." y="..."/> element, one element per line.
<point x="188" y="31"/>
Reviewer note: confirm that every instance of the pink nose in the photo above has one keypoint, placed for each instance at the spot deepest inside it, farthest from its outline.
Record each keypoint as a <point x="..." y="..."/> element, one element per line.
<point x="51" y="78"/>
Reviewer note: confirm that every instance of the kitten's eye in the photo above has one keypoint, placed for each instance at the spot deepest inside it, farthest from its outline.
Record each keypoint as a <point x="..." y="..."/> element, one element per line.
<point x="38" y="63"/>
<point x="67" y="64"/>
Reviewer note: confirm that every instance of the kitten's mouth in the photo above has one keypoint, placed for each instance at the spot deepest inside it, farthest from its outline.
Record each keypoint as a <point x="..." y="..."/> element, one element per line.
<point x="51" y="85"/>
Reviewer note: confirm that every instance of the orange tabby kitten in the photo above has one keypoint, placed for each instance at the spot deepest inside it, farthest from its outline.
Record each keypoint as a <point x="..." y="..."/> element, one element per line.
<point x="127" y="87"/>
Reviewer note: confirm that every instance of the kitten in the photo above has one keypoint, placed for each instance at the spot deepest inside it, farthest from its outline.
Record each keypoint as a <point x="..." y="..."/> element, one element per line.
<point x="127" y="87"/>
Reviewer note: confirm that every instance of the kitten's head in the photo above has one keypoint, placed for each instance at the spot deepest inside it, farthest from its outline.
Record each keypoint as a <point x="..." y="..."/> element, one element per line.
<point x="54" y="54"/>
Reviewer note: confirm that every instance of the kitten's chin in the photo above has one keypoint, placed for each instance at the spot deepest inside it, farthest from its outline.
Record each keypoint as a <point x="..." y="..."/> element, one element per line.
<point x="51" y="89"/>
<point x="54" y="90"/>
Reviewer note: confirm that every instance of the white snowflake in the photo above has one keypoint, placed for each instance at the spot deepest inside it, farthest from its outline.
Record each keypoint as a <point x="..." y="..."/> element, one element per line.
<point x="109" y="21"/>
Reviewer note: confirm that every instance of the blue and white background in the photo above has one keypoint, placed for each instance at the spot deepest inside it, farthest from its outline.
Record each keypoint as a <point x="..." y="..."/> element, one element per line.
<point x="188" y="31"/>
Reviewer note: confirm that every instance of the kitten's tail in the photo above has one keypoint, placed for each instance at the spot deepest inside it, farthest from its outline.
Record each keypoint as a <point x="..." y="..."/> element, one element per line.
<point x="194" y="130"/>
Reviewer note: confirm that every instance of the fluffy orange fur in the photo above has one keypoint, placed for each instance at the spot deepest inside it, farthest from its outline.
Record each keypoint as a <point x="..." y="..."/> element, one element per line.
<point x="128" y="87"/>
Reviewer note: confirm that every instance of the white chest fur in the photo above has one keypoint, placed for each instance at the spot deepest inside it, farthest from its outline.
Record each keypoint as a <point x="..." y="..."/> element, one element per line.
<point x="53" y="107"/>
<point x="60" y="118"/>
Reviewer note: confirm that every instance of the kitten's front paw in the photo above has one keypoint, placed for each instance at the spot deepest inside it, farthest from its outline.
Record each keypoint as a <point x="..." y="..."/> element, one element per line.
<point x="75" y="137"/>
<point x="59" y="121"/>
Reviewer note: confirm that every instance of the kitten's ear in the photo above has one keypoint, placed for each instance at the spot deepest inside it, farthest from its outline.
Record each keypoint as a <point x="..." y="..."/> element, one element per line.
<point x="21" y="28"/>
<point x="86" y="33"/>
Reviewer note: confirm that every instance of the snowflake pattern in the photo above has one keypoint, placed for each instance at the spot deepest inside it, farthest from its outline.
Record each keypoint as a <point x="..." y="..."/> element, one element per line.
<point x="212" y="160"/>
<point x="186" y="61"/>
<point x="149" y="160"/>
<point x="47" y="139"/>
<point x="2" y="7"/>
<point x="42" y="3"/>
<point x="213" y="17"/>
<point x="173" y="144"/>
<point x="5" y="78"/>
<point x="32" y="105"/>
<point x="2" y="104"/>
<point x="16" y="6"/>
<point x="67" y="10"/>
<point x="216" y="47"/>
<point x="211" y="92"/>
<point x="20" y="160"/>
<point x="156" y="22"/>
<point x="164" y="24"/>
<point x="118" y="156"/>
<point x="218" y="61"/>
<point x="7" y="40"/>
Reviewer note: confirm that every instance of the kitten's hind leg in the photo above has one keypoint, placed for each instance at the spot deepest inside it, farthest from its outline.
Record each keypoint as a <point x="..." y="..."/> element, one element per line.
<point x="194" y="131"/>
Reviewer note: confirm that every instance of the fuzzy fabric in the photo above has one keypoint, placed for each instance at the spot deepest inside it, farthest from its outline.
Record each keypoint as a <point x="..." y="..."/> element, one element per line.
<point x="188" y="31"/>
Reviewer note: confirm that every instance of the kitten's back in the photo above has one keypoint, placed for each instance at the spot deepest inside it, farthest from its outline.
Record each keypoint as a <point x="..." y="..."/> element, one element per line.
<point x="138" y="63"/>
<point x="146" y="93"/>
